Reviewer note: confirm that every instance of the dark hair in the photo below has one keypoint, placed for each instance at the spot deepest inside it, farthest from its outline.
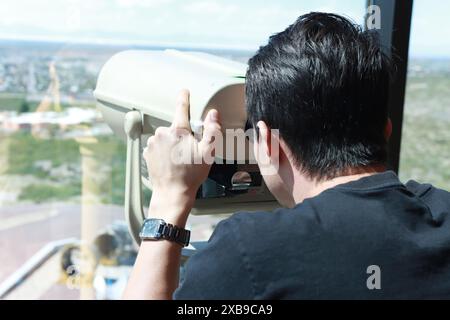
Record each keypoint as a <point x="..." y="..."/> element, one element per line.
<point x="323" y="82"/>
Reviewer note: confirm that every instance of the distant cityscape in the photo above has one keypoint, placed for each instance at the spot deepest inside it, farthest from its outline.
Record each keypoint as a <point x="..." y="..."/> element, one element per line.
<point x="38" y="79"/>
<point x="27" y="71"/>
<point x="24" y="66"/>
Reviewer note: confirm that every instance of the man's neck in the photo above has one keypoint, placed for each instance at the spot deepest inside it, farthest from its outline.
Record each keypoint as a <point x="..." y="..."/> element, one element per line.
<point x="306" y="187"/>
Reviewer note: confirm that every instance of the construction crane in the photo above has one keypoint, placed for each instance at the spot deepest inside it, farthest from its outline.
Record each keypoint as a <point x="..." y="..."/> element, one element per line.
<point x="52" y="94"/>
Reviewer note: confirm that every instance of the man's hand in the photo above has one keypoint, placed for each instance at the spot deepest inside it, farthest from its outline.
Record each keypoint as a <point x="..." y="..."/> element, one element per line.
<point x="178" y="163"/>
<point x="175" y="182"/>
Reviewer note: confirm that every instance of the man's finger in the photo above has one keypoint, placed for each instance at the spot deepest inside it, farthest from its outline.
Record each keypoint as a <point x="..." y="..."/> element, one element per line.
<point x="211" y="130"/>
<point x="210" y="126"/>
<point x="181" y="119"/>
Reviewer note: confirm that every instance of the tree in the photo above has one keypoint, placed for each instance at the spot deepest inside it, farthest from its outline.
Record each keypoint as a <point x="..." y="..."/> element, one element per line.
<point x="24" y="107"/>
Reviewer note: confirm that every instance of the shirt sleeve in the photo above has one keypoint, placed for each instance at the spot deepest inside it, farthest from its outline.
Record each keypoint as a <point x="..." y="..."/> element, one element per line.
<point x="437" y="200"/>
<point x="217" y="271"/>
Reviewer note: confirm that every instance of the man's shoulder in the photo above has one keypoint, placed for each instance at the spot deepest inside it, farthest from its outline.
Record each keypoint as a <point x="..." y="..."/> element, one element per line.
<point x="427" y="191"/>
<point x="437" y="200"/>
<point x="270" y="225"/>
<point x="258" y="219"/>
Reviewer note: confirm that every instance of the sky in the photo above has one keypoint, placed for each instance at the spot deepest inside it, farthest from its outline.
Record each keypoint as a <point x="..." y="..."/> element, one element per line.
<point x="240" y="24"/>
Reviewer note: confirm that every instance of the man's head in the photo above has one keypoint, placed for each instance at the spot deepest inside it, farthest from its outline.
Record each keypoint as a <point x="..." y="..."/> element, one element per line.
<point x="323" y="82"/>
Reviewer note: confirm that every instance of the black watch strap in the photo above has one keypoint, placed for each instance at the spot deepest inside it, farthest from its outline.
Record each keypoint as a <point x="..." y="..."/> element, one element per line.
<point x="176" y="234"/>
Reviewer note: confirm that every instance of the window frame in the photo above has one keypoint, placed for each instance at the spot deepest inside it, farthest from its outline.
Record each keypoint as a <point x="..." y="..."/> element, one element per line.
<point x="394" y="34"/>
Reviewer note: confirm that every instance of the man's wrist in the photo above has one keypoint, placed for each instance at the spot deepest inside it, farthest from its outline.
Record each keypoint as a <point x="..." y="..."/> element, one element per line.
<point x="172" y="207"/>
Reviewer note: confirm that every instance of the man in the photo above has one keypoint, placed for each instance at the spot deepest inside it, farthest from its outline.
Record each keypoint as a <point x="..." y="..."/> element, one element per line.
<point x="348" y="229"/>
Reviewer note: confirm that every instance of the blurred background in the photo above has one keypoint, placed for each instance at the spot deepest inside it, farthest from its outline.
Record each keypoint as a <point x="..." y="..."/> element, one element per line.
<point x="62" y="172"/>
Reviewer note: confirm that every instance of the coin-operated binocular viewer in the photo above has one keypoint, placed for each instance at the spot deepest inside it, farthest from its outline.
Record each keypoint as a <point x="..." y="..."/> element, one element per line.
<point x="136" y="93"/>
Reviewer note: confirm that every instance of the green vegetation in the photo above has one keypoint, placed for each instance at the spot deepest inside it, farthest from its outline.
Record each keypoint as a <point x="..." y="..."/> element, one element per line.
<point x="17" y="101"/>
<point x="24" y="107"/>
<point x="28" y="149"/>
<point x="57" y="163"/>
<point x="425" y="151"/>
<point x="11" y="101"/>
<point x="45" y="192"/>
<point x="113" y="191"/>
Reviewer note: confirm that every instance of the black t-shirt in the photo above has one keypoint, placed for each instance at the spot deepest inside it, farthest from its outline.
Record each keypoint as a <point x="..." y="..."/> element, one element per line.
<point x="371" y="233"/>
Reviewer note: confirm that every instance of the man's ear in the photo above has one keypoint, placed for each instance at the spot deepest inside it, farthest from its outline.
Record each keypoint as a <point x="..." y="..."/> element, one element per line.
<point x="264" y="139"/>
<point x="388" y="129"/>
<point x="268" y="152"/>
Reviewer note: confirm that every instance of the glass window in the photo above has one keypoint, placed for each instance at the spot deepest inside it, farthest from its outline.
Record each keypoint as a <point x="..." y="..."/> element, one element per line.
<point x="425" y="150"/>
<point x="61" y="168"/>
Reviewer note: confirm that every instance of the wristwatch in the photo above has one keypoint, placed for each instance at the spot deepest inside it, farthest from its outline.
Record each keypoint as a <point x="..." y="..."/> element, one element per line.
<point x="158" y="229"/>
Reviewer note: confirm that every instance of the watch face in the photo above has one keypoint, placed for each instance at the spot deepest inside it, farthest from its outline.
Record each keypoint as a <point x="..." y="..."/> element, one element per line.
<point x="150" y="229"/>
